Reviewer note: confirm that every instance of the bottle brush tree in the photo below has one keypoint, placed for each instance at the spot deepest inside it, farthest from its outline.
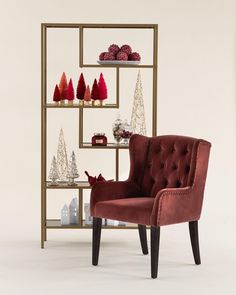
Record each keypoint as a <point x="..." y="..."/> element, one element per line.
<point x="81" y="87"/>
<point x="87" y="94"/>
<point x="95" y="90"/>
<point x="57" y="94"/>
<point x="63" y="86"/>
<point x="102" y="88"/>
<point x="70" y="94"/>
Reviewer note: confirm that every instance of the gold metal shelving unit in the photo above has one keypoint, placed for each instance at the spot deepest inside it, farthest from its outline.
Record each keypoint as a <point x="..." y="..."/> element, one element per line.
<point x="81" y="185"/>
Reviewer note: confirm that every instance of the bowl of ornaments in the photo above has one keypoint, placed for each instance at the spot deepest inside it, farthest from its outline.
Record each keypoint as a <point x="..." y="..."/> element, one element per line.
<point x="119" y="55"/>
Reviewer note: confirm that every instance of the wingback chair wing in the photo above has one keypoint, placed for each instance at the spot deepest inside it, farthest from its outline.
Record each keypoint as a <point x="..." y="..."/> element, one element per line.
<point x="165" y="186"/>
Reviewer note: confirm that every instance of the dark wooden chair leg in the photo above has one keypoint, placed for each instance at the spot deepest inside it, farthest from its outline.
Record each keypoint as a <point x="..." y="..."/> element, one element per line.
<point x="97" y="227"/>
<point x="155" y="241"/>
<point x="193" y="230"/>
<point x="143" y="238"/>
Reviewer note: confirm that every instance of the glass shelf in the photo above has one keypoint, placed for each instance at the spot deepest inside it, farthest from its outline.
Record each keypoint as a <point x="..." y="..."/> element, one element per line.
<point x="87" y="145"/>
<point x="64" y="185"/>
<point x="56" y="224"/>
<point x="76" y="105"/>
<point x="116" y="66"/>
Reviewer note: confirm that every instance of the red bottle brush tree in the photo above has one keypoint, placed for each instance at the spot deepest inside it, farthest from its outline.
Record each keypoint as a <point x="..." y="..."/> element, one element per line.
<point x="95" y="90"/>
<point x="63" y="86"/>
<point x="56" y="94"/>
<point x="70" y="94"/>
<point x="81" y="87"/>
<point x="102" y="88"/>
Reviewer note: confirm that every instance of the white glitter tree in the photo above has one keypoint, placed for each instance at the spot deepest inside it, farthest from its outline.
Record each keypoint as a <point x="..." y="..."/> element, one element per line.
<point x="72" y="171"/>
<point x="53" y="173"/>
<point x="62" y="161"/>
<point x="138" y="123"/>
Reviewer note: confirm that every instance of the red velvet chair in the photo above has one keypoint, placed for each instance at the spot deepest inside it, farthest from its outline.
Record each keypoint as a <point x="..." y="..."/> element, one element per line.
<point x="165" y="186"/>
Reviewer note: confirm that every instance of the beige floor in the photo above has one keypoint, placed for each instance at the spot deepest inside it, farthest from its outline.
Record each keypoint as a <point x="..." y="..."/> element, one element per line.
<point x="64" y="266"/>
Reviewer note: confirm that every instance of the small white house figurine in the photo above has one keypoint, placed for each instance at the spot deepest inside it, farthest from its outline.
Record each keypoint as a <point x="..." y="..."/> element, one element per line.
<point x="73" y="211"/>
<point x="65" y="219"/>
<point x="88" y="218"/>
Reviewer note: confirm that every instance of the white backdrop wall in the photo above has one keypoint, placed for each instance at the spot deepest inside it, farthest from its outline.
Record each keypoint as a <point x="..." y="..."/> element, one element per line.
<point x="196" y="94"/>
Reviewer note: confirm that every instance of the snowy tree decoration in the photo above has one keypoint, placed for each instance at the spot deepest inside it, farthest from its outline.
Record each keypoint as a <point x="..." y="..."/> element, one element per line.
<point x="138" y="115"/>
<point x="62" y="161"/>
<point x="72" y="172"/>
<point x="53" y="174"/>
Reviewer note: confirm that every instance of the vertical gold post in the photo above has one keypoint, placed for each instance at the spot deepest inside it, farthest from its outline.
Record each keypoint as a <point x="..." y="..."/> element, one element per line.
<point x="80" y="207"/>
<point x="43" y="131"/>
<point x="117" y="87"/>
<point x="117" y="164"/>
<point x="154" y="110"/>
<point x="81" y="45"/>
<point x="81" y="127"/>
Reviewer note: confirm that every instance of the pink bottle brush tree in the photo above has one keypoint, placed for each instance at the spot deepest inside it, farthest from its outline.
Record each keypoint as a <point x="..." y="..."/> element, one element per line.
<point x="87" y="96"/>
<point x="102" y="89"/>
<point x="63" y="87"/>
<point x="70" y="93"/>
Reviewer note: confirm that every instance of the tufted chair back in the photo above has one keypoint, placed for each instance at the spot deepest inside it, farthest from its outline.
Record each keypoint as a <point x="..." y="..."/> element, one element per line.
<point x="162" y="162"/>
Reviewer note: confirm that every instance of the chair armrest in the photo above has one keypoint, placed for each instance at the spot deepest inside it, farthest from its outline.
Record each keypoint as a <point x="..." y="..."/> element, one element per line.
<point x="104" y="191"/>
<point x="175" y="205"/>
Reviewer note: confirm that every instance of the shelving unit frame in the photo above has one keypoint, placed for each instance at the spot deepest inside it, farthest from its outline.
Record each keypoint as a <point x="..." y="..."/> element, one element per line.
<point x="81" y="185"/>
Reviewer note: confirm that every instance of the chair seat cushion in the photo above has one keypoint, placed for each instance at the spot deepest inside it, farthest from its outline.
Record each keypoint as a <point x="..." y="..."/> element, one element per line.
<point x="135" y="210"/>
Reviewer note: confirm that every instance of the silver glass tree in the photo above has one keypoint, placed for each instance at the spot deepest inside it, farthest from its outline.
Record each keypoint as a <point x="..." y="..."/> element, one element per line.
<point x="72" y="171"/>
<point x="138" y="123"/>
<point x="53" y="173"/>
<point x="62" y="161"/>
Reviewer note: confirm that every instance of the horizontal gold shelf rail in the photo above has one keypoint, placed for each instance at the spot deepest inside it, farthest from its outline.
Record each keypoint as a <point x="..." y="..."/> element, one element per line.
<point x="87" y="145"/>
<point x="117" y="66"/>
<point x="99" y="26"/>
<point x="64" y="185"/>
<point x="77" y="106"/>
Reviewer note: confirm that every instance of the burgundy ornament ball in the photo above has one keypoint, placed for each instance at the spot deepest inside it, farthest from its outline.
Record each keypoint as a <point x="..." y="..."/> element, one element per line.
<point x="101" y="56"/>
<point x="126" y="48"/>
<point x="114" y="48"/>
<point x="135" y="56"/>
<point x="109" y="56"/>
<point x="122" y="56"/>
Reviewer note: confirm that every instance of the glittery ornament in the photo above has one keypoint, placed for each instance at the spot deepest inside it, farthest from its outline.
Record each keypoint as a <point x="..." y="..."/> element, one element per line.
<point x="121" y="56"/>
<point x="126" y="48"/>
<point x="101" y="56"/>
<point x="134" y="56"/>
<point x="113" y="48"/>
<point x="109" y="56"/>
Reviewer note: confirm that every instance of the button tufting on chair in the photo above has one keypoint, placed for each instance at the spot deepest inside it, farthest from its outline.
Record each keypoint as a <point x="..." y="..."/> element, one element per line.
<point x="175" y="167"/>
